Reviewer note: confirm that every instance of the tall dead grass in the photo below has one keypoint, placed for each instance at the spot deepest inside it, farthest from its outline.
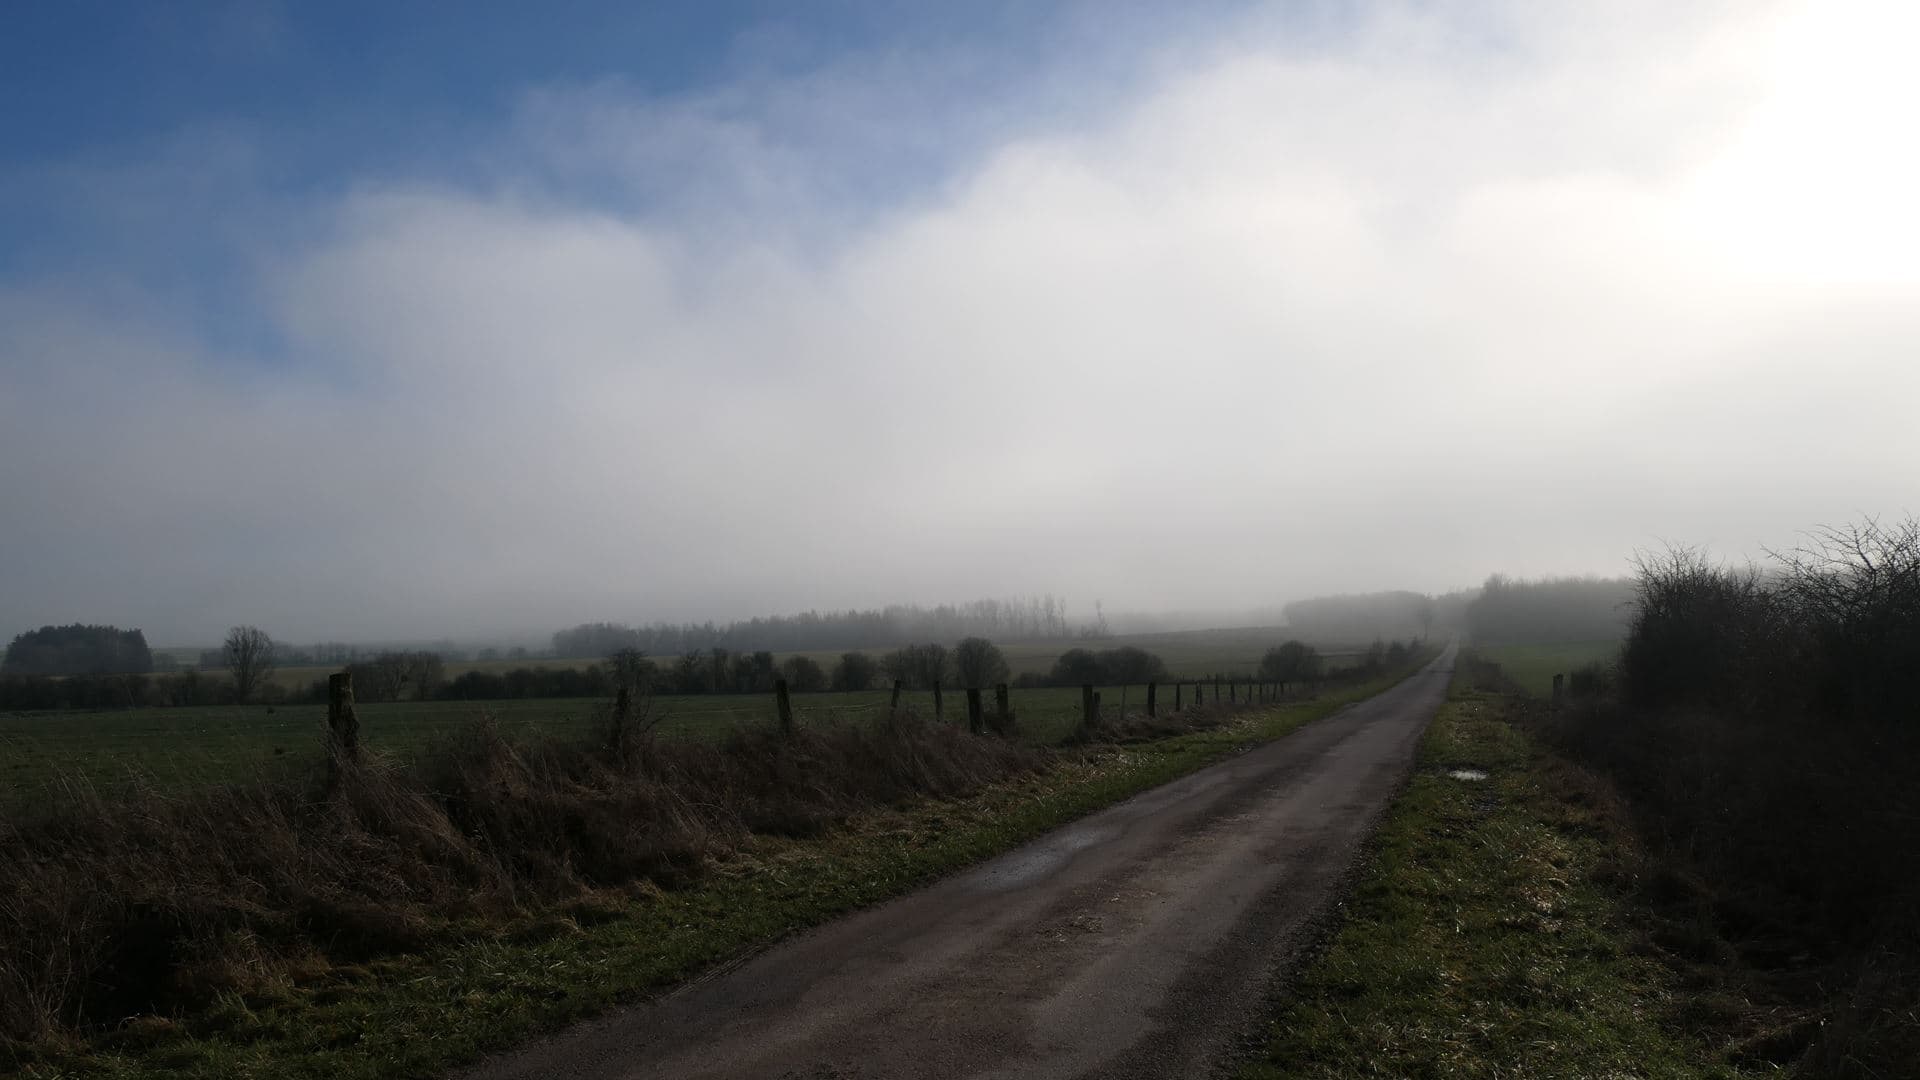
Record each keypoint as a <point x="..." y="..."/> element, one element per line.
<point x="150" y="901"/>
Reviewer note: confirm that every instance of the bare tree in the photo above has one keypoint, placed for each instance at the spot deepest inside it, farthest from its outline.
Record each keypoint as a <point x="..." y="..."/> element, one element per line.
<point x="855" y="671"/>
<point x="249" y="656"/>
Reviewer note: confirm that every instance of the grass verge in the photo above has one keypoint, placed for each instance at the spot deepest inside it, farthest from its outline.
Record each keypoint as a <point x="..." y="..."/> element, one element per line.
<point x="1488" y="936"/>
<point x="417" y="1015"/>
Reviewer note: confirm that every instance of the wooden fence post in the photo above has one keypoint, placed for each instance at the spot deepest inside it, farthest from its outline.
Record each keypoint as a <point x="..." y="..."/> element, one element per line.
<point x="1233" y="694"/>
<point x="343" y="723"/>
<point x="894" y="705"/>
<point x="1087" y="704"/>
<point x="976" y="722"/>
<point x="1151" y="689"/>
<point x="1216" y="689"/>
<point x="939" y="704"/>
<point x="1096" y="704"/>
<point x="1002" y="711"/>
<point x="785" y="706"/>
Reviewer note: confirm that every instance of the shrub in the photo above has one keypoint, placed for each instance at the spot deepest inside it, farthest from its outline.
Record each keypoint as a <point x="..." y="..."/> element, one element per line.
<point x="978" y="662"/>
<point x="1765" y="735"/>
<point x="1291" y="661"/>
<point x="854" y="671"/>
<point x="803" y="674"/>
<point x="1077" y="667"/>
<point x="919" y="666"/>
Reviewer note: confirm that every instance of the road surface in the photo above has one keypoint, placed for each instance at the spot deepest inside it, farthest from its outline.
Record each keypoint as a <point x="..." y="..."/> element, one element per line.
<point x="1137" y="942"/>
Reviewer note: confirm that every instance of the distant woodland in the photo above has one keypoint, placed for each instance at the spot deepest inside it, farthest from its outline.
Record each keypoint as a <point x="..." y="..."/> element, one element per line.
<point x="1039" y="618"/>
<point x="78" y="650"/>
<point x="1514" y="611"/>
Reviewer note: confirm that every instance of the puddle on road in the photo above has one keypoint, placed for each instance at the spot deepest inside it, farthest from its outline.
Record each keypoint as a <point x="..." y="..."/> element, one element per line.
<point x="1467" y="774"/>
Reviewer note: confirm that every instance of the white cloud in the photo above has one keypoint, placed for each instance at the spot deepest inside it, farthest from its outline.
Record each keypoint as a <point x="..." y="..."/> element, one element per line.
<point x="1475" y="291"/>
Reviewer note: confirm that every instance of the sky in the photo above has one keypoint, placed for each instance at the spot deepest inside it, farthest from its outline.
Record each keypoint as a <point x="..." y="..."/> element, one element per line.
<point x="380" y="321"/>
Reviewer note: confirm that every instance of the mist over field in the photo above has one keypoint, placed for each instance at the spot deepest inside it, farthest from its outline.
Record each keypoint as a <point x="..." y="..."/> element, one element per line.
<point x="1194" y="310"/>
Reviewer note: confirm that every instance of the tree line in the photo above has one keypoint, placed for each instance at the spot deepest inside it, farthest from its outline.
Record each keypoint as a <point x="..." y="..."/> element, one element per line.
<point x="1363" y="617"/>
<point x="1038" y="618"/>
<point x="251" y="656"/>
<point x="1556" y="609"/>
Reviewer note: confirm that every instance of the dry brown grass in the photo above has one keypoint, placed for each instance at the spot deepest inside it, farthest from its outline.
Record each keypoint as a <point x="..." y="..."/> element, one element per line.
<point x="151" y="901"/>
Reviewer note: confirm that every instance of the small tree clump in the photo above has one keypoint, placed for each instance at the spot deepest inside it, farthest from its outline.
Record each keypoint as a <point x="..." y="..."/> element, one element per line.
<point x="979" y="663"/>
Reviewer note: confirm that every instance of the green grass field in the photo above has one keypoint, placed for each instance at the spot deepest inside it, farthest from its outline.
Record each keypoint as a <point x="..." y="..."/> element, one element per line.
<point x="1488" y="936"/>
<point x="197" y="745"/>
<point x="211" y="744"/>
<point x="1534" y="666"/>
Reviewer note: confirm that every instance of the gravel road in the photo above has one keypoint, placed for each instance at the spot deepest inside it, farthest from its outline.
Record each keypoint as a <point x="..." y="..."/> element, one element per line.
<point x="1137" y="942"/>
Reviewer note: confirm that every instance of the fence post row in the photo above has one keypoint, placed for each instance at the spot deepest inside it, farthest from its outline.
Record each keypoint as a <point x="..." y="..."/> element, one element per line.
<point x="785" y="704"/>
<point x="976" y="722"/>
<point x="1216" y="689"/>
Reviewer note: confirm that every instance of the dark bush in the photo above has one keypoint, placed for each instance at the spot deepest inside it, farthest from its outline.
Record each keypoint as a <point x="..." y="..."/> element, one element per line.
<point x="1766" y="736"/>
<point x="522" y="683"/>
<point x="803" y="674"/>
<point x="978" y="662"/>
<point x="1291" y="661"/>
<point x="854" y="671"/>
<point x="1077" y="667"/>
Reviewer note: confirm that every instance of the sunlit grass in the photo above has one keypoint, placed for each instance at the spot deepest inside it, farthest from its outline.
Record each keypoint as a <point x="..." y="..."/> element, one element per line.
<point x="1481" y="943"/>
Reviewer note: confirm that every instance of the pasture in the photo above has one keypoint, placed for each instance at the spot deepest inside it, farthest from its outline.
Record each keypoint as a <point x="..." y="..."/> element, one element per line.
<point x="208" y="745"/>
<point x="1534" y="666"/>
